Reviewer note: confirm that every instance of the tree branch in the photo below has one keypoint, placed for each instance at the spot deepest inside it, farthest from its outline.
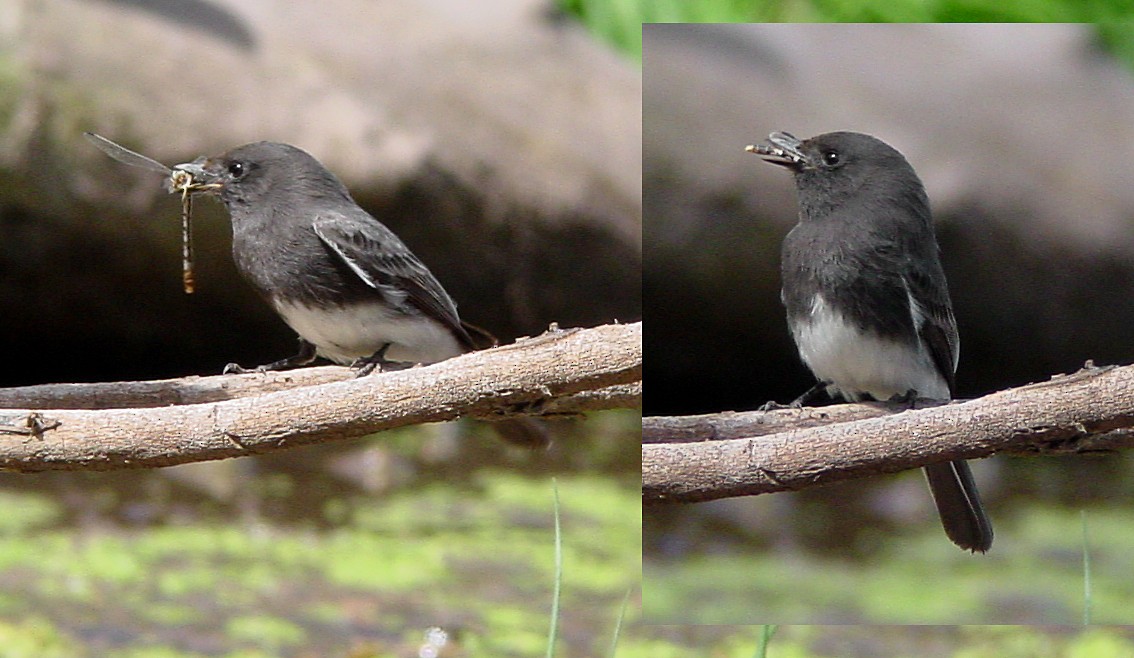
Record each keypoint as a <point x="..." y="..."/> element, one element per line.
<point x="1089" y="411"/>
<point x="199" y="390"/>
<point x="226" y="416"/>
<point x="746" y="424"/>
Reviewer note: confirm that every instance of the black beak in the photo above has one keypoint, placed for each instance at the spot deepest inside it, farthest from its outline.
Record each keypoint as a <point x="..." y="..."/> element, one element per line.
<point x="783" y="149"/>
<point x="194" y="177"/>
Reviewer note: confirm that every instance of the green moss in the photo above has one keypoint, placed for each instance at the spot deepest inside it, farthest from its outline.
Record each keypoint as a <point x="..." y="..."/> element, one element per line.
<point x="153" y="652"/>
<point x="25" y="512"/>
<point x="1035" y="576"/>
<point x="170" y="614"/>
<point x="511" y="632"/>
<point x="1100" y="643"/>
<point x="651" y="648"/>
<point x="35" y="637"/>
<point x="265" y="631"/>
<point x="476" y="557"/>
<point x="385" y="564"/>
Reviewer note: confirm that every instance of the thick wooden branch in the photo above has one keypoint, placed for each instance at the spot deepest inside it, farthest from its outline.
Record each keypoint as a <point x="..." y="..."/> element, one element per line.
<point x="745" y="424"/>
<point x="164" y="392"/>
<point x="595" y="368"/>
<point x="201" y="389"/>
<point x="1089" y="411"/>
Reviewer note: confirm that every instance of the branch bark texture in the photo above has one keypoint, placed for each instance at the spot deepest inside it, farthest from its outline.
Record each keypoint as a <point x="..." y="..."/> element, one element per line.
<point x="1090" y="410"/>
<point x="228" y="416"/>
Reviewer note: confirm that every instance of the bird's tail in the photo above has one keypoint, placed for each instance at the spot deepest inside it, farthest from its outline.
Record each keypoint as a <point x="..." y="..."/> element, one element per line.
<point x="479" y="338"/>
<point x="523" y="432"/>
<point x="958" y="503"/>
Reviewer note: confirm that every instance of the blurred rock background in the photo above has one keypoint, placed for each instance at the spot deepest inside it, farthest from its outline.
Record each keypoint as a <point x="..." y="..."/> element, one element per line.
<point x="1020" y="133"/>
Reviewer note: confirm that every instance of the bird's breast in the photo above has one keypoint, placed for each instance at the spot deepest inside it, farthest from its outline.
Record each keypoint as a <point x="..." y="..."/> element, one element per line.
<point x="857" y="360"/>
<point x="345" y="333"/>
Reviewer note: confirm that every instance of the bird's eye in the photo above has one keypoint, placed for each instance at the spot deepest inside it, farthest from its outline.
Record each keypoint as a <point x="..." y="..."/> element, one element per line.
<point x="236" y="169"/>
<point x="832" y="158"/>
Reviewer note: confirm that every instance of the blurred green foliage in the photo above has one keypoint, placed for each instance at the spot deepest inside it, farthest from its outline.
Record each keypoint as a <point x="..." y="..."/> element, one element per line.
<point x="620" y="21"/>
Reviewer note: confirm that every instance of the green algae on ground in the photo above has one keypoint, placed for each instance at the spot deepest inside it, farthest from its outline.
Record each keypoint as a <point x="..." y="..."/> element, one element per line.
<point x="475" y="560"/>
<point x="918" y="580"/>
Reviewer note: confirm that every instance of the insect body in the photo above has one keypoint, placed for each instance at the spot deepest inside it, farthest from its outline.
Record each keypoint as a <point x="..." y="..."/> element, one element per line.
<point x="177" y="180"/>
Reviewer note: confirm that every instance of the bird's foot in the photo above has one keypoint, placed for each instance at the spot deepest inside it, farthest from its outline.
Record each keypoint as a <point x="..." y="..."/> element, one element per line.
<point x="909" y="398"/>
<point x="809" y="396"/>
<point x="305" y="356"/>
<point x="378" y="361"/>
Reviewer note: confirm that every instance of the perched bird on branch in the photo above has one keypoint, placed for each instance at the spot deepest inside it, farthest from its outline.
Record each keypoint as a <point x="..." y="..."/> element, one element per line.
<point x="352" y="290"/>
<point x="865" y="293"/>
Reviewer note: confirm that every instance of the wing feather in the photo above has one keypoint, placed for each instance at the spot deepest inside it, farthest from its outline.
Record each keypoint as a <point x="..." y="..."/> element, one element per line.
<point x="383" y="262"/>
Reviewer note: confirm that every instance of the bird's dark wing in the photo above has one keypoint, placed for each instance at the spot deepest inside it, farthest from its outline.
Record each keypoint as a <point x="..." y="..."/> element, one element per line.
<point x="939" y="329"/>
<point x="384" y="263"/>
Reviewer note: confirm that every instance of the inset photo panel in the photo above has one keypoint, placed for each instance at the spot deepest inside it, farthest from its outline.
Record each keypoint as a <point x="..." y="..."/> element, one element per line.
<point x="889" y="273"/>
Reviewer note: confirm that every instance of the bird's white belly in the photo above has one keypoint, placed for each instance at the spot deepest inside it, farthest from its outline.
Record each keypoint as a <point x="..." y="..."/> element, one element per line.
<point x="857" y="362"/>
<point x="345" y="334"/>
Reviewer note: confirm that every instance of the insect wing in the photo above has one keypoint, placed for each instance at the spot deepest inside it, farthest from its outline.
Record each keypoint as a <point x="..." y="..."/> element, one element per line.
<point x="125" y="155"/>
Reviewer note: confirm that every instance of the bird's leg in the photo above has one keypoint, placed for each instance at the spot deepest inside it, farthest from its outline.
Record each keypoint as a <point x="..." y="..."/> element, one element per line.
<point x="378" y="361"/>
<point x="305" y="356"/>
<point x="810" y="395"/>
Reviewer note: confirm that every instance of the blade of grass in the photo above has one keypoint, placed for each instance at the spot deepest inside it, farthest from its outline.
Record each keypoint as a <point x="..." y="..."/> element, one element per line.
<point x="618" y="624"/>
<point x="1086" y="570"/>
<point x="554" y="631"/>
<point x="765" y="636"/>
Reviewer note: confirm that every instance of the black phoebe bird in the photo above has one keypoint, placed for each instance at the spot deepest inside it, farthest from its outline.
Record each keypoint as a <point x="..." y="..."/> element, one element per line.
<point x="345" y="283"/>
<point x="866" y="297"/>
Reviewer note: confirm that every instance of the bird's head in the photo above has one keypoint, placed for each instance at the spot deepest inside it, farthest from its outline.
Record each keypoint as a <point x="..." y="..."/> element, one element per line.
<point x="832" y="168"/>
<point x="254" y="173"/>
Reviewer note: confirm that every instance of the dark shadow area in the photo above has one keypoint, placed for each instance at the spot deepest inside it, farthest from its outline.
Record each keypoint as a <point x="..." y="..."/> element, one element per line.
<point x="199" y="15"/>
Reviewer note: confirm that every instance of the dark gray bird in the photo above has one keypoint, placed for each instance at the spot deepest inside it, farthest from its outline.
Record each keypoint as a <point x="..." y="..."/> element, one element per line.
<point x="866" y="297"/>
<point x="354" y="293"/>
